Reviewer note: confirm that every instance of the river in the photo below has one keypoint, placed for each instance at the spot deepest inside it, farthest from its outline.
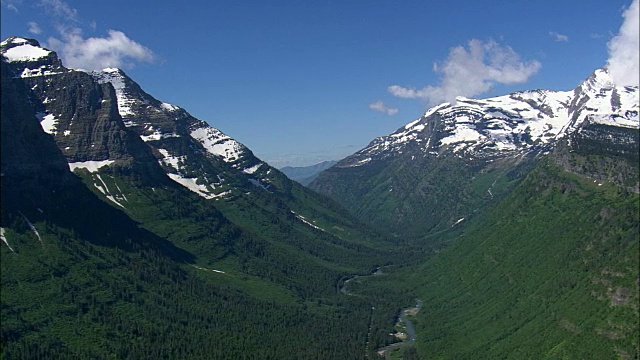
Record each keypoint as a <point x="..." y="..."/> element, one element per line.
<point x="411" y="331"/>
<point x="403" y="318"/>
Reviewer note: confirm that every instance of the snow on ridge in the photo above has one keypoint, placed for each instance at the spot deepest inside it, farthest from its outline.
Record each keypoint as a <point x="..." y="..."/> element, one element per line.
<point x="612" y="105"/>
<point x="219" y="144"/>
<point x="169" y="107"/>
<point x="92" y="166"/>
<point x="25" y="52"/>
<point x="516" y="121"/>
<point x="361" y="162"/>
<point x="435" y="109"/>
<point x="252" y="169"/>
<point x="15" y="40"/>
<point x="113" y="76"/>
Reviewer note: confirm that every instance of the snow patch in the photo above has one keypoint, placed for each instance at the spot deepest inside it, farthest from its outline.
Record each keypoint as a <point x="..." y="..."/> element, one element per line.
<point x="191" y="184"/>
<point x="25" y="52"/>
<point x="48" y="122"/>
<point x="33" y="229"/>
<point x="360" y="162"/>
<point x="41" y="71"/>
<point x="168" y="107"/>
<point x="203" y="268"/>
<point x="219" y="144"/>
<point x="462" y="133"/>
<point x="4" y="239"/>
<point x="92" y="166"/>
<point x="305" y="221"/>
<point x="105" y="191"/>
<point x="457" y="222"/>
<point x="158" y="136"/>
<point x="113" y="76"/>
<point x="252" y="169"/>
<point x="171" y="160"/>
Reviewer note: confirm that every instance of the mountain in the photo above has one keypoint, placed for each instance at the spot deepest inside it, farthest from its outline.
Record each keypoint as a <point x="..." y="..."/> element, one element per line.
<point x="122" y="216"/>
<point x="550" y="272"/>
<point x="461" y="157"/>
<point x="306" y="174"/>
<point x="527" y="209"/>
<point x="131" y="229"/>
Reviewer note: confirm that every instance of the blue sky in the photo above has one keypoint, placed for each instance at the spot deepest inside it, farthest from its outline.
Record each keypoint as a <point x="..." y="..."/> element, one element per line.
<point x="299" y="82"/>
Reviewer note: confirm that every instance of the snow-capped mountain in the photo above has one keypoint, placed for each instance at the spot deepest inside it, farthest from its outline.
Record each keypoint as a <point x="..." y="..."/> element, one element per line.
<point x="174" y="133"/>
<point x="508" y="125"/>
<point x="461" y="157"/>
<point x="103" y="118"/>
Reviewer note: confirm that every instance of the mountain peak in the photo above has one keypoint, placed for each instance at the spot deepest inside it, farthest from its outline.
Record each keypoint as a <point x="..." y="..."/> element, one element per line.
<point x="28" y="58"/>
<point x="508" y="125"/>
<point x="16" y="49"/>
<point x="18" y="41"/>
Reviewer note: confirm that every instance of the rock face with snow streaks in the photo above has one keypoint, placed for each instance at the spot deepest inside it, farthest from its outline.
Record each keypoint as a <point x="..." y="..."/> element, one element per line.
<point x="81" y="114"/>
<point x="104" y="117"/>
<point x="194" y="154"/>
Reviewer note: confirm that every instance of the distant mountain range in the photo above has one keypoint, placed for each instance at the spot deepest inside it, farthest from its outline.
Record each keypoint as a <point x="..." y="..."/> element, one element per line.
<point x="306" y="174"/>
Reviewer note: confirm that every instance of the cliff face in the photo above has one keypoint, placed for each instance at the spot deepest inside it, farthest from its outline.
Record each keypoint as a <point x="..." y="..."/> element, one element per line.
<point x="79" y="112"/>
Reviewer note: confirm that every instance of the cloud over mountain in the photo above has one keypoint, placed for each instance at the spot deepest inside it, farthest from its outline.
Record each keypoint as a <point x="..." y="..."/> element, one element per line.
<point x="472" y="71"/>
<point x="623" y="49"/>
<point x="95" y="53"/>
<point x="380" y="107"/>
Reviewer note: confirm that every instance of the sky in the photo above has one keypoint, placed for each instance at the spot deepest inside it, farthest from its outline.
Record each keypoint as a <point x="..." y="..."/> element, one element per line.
<point x="300" y="82"/>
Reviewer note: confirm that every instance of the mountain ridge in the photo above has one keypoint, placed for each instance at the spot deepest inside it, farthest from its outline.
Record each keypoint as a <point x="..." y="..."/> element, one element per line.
<point x="513" y="123"/>
<point x="397" y="179"/>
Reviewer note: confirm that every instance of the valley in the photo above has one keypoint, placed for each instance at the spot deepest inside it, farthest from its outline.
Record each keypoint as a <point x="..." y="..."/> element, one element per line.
<point x="488" y="228"/>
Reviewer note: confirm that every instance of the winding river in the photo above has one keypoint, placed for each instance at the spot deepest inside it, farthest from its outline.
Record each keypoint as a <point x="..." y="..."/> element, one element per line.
<point x="403" y="318"/>
<point x="411" y="331"/>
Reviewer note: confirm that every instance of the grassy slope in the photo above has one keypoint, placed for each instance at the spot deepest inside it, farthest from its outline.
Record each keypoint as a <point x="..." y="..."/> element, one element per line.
<point x="551" y="273"/>
<point x="413" y="197"/>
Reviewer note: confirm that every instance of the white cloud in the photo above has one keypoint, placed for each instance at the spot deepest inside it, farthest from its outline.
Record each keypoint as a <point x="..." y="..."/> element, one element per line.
<point x="472" y="72"/>
<point x="12" y="4"/>
<point x="34" y="28"/>
<point x="379" y="106"/>
<point x="623" y="49"/>
<point x="557" y="37"/>
<point x="94" y="53"/>
<point x="60" y="8"/>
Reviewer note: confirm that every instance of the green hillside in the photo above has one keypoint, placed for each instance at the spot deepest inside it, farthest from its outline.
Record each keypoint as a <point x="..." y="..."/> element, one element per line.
<point x="551" y="272"/>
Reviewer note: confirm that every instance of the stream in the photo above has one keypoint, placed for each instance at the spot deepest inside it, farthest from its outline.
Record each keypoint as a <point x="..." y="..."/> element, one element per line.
<point x="403" y="318"/>
<point x="411" y="331"/>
